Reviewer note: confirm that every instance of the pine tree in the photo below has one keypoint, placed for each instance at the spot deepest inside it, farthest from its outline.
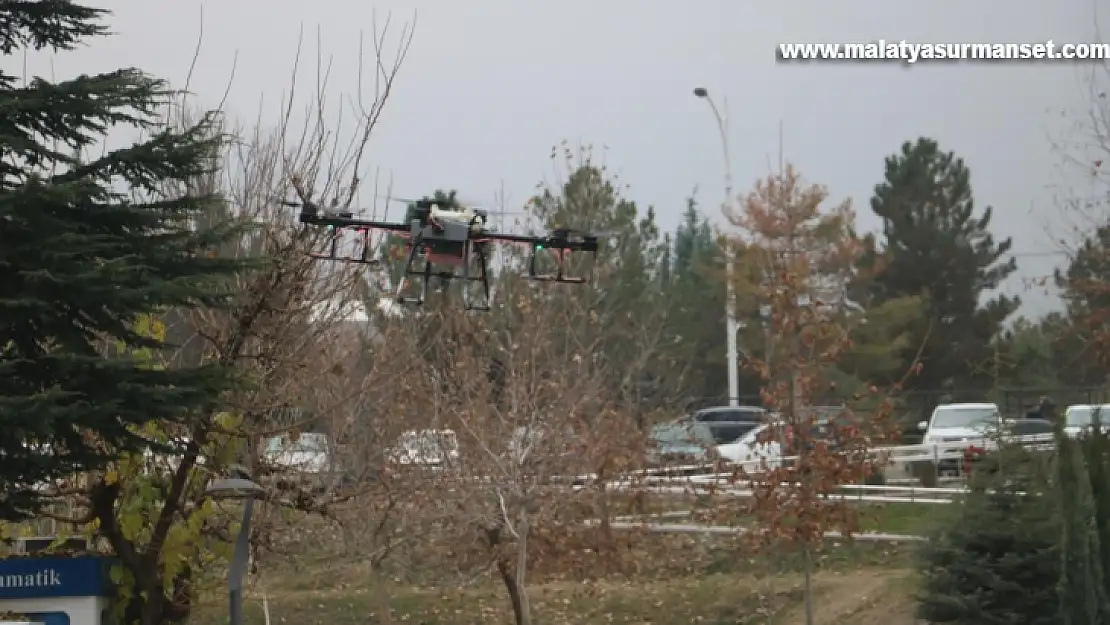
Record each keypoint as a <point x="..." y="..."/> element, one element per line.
<point x="622" y="299"/>
<point x="1085" y="285"/>
<point x="934" y="245"/>
<point x="88" y="249"/>
<point x="996" y="559"/>
<point x="1082" y="597"/>
<point x="696" y="296"/>
<point x="1096" y="454"/>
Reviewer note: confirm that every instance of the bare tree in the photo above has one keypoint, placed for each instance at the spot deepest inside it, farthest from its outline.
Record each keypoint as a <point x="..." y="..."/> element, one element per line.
<point x="281" y="337"/>
<point x="532" y="417"/>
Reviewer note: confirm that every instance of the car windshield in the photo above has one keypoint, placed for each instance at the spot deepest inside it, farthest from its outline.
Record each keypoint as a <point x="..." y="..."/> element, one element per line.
<point x="728" y="432"/>
<point x="1085" y="415"/>
<point x="740" y="414"/>
<point x="964" y="417"/>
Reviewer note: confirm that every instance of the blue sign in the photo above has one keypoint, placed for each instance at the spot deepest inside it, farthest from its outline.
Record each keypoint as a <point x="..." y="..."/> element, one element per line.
<point x="83" y="576"/>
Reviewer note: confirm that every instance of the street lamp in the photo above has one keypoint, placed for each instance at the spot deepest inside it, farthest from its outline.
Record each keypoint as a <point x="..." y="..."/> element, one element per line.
<point x="241" y="487"/>
<point x="731" y="326"/>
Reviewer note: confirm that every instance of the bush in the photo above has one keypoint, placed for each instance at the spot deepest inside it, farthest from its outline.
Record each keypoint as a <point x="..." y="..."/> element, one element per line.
<point x="995" y="558"/>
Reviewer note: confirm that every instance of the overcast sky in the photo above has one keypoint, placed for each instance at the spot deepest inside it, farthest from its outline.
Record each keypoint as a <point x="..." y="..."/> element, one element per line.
<point x="490" y="85"/>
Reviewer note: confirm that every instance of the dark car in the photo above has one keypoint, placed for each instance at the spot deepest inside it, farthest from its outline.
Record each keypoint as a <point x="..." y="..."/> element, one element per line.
<point x="729" y="423"/>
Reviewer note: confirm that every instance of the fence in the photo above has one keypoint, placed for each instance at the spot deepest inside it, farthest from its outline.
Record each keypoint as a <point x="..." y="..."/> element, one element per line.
<point x="916" y="405"/>
<point x="723" y="476"/>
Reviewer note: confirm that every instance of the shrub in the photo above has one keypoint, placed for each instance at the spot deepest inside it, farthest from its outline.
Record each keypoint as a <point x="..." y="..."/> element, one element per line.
<point x="995" y="558"/>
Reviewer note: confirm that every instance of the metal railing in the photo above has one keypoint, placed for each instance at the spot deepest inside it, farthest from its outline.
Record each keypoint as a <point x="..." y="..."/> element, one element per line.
<point x="894" y="456"/>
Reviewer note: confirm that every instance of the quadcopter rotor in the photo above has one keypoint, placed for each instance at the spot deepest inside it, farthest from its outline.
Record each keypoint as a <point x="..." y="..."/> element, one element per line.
<point x="459" y="203"/>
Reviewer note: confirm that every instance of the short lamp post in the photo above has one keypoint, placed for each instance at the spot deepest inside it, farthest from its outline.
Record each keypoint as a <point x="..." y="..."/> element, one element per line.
<point x="246" y="489"/>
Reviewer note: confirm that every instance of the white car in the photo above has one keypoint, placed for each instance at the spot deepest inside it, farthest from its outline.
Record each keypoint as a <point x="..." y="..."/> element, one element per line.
<point x="760" y="447"/>
<point x="954" y="428"/>
<point x="432" y="448"/>
<point x="308" y="453"/>
<point x="959" y="423"/>
<point x="307" y="460"/>
<point x="1080" y="418"/>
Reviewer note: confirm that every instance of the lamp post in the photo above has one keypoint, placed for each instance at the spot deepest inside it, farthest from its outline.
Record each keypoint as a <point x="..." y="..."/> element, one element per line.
<point x="246" y="489"/>
<point x="731" y="326"/>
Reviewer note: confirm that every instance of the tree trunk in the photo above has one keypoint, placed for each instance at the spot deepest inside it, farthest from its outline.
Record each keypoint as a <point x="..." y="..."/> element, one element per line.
<point x="513" y="580"/>
<point x="152" y="608"/>
<point x="604" y="509"/>
<point x="523" y="529"/>
<point x="520" y="617"/>
<point x="808" y="555"/>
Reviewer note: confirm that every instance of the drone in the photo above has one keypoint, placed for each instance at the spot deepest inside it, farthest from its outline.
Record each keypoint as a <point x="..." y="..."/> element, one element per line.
<point x="445" y="237"/>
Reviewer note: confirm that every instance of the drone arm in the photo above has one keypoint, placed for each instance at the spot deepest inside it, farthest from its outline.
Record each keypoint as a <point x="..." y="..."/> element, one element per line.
<point x="349" y="222"/>
<point x="515" y="238"/>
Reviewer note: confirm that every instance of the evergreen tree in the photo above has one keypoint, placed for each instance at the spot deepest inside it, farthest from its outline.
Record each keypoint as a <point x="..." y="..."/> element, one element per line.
<point x="1085" y="286"/>
<point x="934" y="245"/>
<point x="1096" y="454"/>
<point x="1027" y="351"/>
<point x="88" y="250"/>
<point x="996" y="559"/>
<point x="1082" y="599"/>
<point x="622" y="299"/>
<point x="696" y="298"/>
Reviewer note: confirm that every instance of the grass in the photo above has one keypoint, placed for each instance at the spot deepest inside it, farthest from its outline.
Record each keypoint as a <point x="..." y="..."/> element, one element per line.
<point x="662" y="579"/>
<point x="713" y="599"/>
<point x="677" y="579"/>
<point x="901" y="518"/>
<point x="915" y="519"/>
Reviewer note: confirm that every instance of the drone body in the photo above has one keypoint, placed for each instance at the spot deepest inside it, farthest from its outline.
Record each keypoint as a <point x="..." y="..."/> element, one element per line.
<point x="450" y="243"/>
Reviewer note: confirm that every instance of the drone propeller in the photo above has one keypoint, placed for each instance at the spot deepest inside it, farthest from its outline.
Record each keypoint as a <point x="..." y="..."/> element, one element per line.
<point x="459" y="202"/>
<point x="399" y="200"/>
<point x="313" y="208"/>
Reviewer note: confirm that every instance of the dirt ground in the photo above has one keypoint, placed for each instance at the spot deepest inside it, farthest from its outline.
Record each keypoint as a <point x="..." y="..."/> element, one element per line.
<point x="864" y="597"/>
<point x="678" y="580"/>
<point x="860" y="597"/>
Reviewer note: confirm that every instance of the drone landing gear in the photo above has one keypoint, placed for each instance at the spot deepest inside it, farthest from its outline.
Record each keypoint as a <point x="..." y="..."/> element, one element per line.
<point x="332" y="251"/>
<point x="470" y="251"/>
<point x="479" y="250"/>
<point x="425" y="273"/>
<point x="558" y="276"/>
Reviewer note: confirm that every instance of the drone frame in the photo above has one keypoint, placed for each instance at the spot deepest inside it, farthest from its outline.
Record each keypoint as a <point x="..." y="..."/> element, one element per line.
<point x="427" y="239"/>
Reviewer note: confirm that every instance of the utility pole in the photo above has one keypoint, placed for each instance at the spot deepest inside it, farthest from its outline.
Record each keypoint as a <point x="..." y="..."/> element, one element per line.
<point x="731" y="326"/>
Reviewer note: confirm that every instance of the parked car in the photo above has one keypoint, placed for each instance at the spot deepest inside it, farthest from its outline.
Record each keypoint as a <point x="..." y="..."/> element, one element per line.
<point x="1079" y="418"/>
<point x="683" y="442"/>
<point x="979" y="426"/>
<point x="951" y="423"/>
<point x="970" y="423"/>
<point x="425" y="448"/>
<point x="764" y="442"/>
<point x="729" y="423"/>
<point x="305" y="460"/>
